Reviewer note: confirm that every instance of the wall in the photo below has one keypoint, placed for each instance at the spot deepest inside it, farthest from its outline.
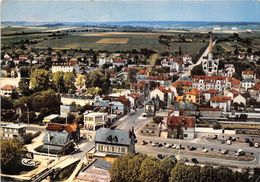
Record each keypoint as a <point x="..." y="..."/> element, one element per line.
<point x="82" y="102"/>
<point x="211" y="130"/>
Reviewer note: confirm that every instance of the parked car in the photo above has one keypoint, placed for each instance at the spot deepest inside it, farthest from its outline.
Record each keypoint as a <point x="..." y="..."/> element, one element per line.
<point x="229" y="142"/>
<point x="205" y="150"/>
<point x="174" y="146"/>
<point x="160" y="156"/>
<point x="194" y="160"/>
<point x="159" y="145"/>
<point x="251" y="144"/>
<point x="168" y="145"/>
<point x="154" y="144"/>
<point x="222" y="141"/>
<point x="144" y="142"/>
<point x="144" y="115"/>
<point x="192" y="148"/>
<point x="223" y="152"/>
<point x="256" y="145"/>
<point x="240" y="152"/>
<point x="247" y="140"/>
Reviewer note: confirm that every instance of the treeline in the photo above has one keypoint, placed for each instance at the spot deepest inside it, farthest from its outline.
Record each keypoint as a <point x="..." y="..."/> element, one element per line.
<point x="142" y="168"/>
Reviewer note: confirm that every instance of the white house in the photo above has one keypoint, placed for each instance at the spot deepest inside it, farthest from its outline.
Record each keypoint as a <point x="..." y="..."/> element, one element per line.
<point x="248" y="74"/>
<point x="94" y="120"/>
<point x="7" y="90"/>
<point x="239" y="99"/>
<point x="229" y="70"/>
<point x="70" y="66"/>
<point x="221" y="102"/>
<point x="248" y="83"/>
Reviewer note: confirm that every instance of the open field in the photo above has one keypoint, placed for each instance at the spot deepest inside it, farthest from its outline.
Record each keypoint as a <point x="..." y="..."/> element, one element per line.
<point x="16" y="38"/>
<point x="112" y="41"/>
<point x="118" y="41"/>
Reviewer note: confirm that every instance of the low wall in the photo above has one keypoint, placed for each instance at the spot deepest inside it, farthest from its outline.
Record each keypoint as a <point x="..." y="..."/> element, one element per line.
<point x="211" y="130"/>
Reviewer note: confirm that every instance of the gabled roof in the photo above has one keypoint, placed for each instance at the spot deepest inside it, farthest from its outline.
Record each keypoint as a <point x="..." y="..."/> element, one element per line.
<point x="70" y="128"/>
<point x="212" y="91"/>
<point x="194" y="91"/>
<point x="175" y="121"/>
<point x="248" y="72"/>
<point x="115" y="136"/>
<point x="8" y="87"/>
<point x="220" y="99"/>
<point x="181" y="83"/>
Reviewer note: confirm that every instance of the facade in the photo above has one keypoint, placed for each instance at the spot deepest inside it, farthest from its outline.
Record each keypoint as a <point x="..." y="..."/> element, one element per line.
<point x="248" y="83"/>
<point x="219" y="83"/>
<point x="94" y="120"/>
<point x="239" y="99"/>
<point x="229" y="70"/>
<point x="194" y="96"/>
<point x="70" y="66"/>
<point x="210" y="65"/>
<point x="7" y="90"/>
<point x="112" y="143"/>
<point x="222" y="102"/>
<point x="13" y="130"/>
<point x="181" y="127"/>
<point x="151" y="106"/>
<point x="248" y="74"/>
<point x="59" y="138"/>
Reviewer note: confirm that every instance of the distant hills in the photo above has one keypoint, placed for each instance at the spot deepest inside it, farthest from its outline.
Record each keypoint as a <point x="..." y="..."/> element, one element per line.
<point x="146" y="24"/>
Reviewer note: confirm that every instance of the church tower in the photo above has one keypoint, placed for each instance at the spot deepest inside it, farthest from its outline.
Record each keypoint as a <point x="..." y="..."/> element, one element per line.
<point x="210" y="65"/>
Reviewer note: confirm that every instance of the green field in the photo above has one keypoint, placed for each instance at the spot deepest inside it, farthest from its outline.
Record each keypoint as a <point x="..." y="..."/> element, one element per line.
<point x="135" y="41"/>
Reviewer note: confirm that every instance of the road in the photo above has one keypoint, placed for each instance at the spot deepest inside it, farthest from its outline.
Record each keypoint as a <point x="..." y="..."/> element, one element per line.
<point x="206" y="52"/>
<point x="135" y="120"/>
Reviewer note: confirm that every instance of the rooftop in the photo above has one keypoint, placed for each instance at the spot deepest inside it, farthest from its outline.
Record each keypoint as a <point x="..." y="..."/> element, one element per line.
<point x="14" y="126"/>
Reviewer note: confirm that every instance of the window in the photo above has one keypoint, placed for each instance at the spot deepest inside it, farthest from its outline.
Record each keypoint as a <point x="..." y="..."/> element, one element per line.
<point x="108" y="148"/>
<point x="113" y="149"/>
<point x="123" y="150"/>
<point x="185" y="135"/>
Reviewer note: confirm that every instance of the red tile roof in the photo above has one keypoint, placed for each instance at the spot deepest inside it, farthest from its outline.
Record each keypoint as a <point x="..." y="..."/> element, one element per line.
<point x="248" y="72"/>
<point x="257" y="86"/>
<point x="194" y="92"/>
<point x="70" y="128"/>
<point x="220" y="99"/>
<point x="175" y="121"/>
<point x="212" y="91"/>
<point x="181" y="83"/>
<point x="163" y="89"/>
<point x="8" y="87"/>
<point x="135" y="95"/>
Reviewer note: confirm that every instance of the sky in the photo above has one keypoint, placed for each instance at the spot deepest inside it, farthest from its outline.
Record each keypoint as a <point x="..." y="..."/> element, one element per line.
<point x="130" y="10"/>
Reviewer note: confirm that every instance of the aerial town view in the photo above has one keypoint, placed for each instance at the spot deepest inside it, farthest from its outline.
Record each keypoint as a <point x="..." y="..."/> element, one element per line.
<point x="130" y="91"/>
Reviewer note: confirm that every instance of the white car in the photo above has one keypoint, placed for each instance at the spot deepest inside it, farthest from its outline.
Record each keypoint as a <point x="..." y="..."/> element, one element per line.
<point x="205" y="150"/>
<point x="178" y="147"/>
<point x="256" y="145"/>
<point x="154" y="144"/>
<point x="168" y="145"/>
<point x="174" y="146"/>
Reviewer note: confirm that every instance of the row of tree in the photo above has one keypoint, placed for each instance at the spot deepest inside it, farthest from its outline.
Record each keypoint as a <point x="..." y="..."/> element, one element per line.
<point x="142" y="168"/>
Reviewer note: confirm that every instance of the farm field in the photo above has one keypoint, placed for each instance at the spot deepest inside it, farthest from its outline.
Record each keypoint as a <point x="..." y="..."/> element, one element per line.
<point x="118" y="41"/>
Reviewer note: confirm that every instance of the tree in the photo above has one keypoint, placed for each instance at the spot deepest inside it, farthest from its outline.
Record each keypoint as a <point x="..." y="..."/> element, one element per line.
<point x="23" y="87"/>
<point x="57" y="79"/>
<point x="94" y="91"/>
<point x="69" y="79"/>
<point x="197" y="70"/>
<point x="132" y="76"/>
<point x="151" y="171"/>
<point x="80" y="80"/>
<point x="11" y="150"/>
<point x="184" y="173"/>
<point x="157" y="119"/>
<point x="39" y="80"/>
<point x="167" y="165"/>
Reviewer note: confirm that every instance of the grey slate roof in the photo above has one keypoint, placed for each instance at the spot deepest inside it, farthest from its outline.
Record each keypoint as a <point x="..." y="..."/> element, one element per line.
<point x="106" y="135"/>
